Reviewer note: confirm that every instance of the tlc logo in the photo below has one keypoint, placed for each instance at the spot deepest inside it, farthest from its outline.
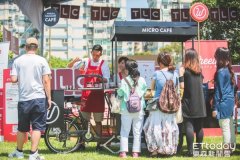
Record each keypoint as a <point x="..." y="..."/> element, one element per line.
<point x="67" y="11"/>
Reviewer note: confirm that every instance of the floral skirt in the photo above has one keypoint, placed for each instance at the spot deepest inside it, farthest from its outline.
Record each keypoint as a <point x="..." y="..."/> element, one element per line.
<point x="161" y="133"/>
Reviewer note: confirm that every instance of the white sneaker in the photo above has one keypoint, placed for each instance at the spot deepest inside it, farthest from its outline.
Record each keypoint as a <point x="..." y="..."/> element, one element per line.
<point x="36" y="156"/>
<point x="16" y="154"/>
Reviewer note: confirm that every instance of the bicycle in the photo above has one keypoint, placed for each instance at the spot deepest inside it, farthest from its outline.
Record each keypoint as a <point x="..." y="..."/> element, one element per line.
<point x="77" y="130"/>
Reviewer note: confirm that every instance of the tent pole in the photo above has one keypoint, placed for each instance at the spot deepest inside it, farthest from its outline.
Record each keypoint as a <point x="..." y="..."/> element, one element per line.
<point x="112" y="64"/>
<point x="192" y="43"/>
<point x="182" y="52"/>
<point x="42" y="36"/>
<point x="116" y="77"/>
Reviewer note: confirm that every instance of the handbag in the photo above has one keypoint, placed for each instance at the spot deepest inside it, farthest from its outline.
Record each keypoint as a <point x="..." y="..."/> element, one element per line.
<point x="152" y="104"/>
<point x="116" y="104"/>
<point x="179" y="117"/>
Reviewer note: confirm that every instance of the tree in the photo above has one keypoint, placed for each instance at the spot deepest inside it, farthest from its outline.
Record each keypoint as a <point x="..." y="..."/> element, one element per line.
<point x="173" y="47"/>
<point x="56" y="62"/>
<point x="228" y="30"/>
<point x="1" y="35"/>
<point x="143" y="53"/>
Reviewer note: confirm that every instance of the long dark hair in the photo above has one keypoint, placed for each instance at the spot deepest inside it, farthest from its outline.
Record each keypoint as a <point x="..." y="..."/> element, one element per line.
<point x="223" y="59"/>
<point x="166" y="59"/>
<point x="123" y="58"/>
<point x="132" y="67"/>
<point x="191" y="61"/>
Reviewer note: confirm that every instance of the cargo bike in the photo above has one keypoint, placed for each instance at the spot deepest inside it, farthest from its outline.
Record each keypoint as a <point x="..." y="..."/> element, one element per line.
<point x="75" y="130"/>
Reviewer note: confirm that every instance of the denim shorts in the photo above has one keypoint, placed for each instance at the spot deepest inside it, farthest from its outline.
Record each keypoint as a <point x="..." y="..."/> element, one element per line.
<point x="32" y="112"/>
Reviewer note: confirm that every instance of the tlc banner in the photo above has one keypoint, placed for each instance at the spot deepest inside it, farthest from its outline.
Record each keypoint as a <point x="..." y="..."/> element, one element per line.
<point x="103" y="13"/>
<point x="215" y="14"/>
<point x="206" y="56"/>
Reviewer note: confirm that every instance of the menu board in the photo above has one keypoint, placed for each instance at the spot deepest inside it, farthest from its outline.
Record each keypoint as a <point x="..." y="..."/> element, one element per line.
<point x="11" y="103"/>
<point x="146" y="69"/>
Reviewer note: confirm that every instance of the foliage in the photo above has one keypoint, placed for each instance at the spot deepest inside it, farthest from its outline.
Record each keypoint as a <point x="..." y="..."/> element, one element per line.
<point x="1" y="35"/>
<point x="144" y="53"/>
<point x="224" y="30"/>
<point x="56" y="62"/>
<point x="173" y="47"/>
<point x="10" y="55"/>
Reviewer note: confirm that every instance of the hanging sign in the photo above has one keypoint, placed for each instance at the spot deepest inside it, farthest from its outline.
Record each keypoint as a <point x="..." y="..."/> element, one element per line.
<point x="199" y="12"/>
<point x="103" y="13"/>
<point x="50" y="17"/>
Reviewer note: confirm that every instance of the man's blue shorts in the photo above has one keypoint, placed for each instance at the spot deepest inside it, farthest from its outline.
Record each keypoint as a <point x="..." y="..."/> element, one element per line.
<point x="33" y="111"/>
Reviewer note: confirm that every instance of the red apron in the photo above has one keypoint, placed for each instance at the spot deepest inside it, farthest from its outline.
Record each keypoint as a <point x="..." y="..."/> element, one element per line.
<point x="94" y="99"/>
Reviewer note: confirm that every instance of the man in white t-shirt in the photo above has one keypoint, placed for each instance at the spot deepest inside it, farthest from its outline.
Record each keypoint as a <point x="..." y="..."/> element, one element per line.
<point x="94" y="99"/>
<point x="32" y="73"/>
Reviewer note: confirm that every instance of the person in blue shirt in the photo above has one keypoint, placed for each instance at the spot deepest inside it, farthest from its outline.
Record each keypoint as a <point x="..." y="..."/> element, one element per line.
<point x="224" y="100"/>
<point x="161" y="130"/>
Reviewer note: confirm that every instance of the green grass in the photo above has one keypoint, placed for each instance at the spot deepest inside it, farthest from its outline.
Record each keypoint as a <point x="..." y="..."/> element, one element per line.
<point x="90" y="154"/>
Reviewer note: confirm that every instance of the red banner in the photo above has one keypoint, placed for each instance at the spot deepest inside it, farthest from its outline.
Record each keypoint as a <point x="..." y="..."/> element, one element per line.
<point x="1" y="115"/>
<point x="6" y="35"/>
<point x="236" y="69"/>
<point x="14" y="45"/>
<point x="206" y="56"/>
<point x="10" y="116"/>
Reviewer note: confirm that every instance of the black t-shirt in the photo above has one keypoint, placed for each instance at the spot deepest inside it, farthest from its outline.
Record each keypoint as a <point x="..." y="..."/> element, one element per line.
<point x="193" y="103"/>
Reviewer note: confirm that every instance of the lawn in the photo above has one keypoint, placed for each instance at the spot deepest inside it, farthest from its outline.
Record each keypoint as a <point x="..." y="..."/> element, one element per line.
<point x="90" y="154"/>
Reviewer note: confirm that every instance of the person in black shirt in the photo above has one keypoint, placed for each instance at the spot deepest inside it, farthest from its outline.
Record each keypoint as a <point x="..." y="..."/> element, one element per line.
<point x="193" y="103"/>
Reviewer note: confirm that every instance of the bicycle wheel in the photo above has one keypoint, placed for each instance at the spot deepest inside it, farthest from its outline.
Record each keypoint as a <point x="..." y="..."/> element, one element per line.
<point x="63" y="140"/>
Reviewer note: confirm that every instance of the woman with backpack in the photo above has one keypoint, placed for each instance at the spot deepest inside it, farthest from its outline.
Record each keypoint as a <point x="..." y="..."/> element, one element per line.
<point x="131" y="91"/>
<point x="224" y="99"/>
<point x="161" y="130"/>
<point x="193" y="103"/>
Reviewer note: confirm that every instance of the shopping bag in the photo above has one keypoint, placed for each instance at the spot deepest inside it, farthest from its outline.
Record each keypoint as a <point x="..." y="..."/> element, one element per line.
<point x="152" y="104"/>
<point x="179" y="117"/>
<point x="116" y="104"/>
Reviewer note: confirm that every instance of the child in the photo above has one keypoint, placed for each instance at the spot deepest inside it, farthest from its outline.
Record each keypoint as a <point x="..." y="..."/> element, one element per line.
<point x="134" y="120"/>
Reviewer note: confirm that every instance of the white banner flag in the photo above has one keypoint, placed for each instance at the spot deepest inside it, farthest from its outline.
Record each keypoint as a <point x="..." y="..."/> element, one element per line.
<point x="4" y="49"/>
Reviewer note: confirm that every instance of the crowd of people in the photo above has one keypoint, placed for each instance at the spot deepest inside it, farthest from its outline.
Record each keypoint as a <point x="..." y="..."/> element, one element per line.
<point x="163" y="134"/>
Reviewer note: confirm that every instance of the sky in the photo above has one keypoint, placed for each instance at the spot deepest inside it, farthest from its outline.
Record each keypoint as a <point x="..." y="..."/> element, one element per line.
<point x="135" y="4"/>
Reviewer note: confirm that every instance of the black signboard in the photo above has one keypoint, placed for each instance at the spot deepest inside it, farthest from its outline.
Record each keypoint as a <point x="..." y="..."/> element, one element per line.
<point x="50" y="17"/>
<point x="55" y="116"/>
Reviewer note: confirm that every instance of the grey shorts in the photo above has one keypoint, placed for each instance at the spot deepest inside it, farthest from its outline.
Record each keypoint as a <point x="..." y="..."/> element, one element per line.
<point x="98" y="116"/>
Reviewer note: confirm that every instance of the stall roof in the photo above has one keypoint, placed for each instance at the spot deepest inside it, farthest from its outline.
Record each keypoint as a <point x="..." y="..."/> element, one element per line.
<point x="154" y="31"/>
